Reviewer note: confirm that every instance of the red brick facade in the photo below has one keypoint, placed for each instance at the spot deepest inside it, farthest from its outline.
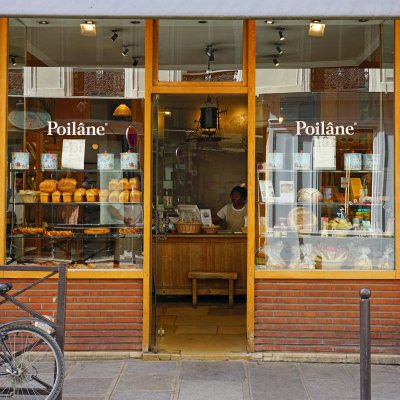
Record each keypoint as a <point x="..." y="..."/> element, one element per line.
<point x="323" y="316"/>
<point x="102" y="315"/>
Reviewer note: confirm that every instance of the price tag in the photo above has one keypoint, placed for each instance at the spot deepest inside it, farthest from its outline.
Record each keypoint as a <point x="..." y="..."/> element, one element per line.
<point x="73" y="154"/>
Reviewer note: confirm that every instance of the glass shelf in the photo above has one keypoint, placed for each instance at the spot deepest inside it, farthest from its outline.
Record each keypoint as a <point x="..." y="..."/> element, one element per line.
<point x="64" y="171"/>
<point x="81" y="203"/>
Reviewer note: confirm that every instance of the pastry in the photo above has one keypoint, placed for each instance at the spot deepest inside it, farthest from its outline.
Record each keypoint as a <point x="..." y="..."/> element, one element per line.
<point x="67" y="185"/>
<point x="79" y="194"/>
<point x="113" y="185"/>
<point x="67" y="197"/>
<point x="114" y="196"/>
<point x="103" y="194"/>
<point x="128" y="230"/>
<point x="124" y="196"/>
<point x="56" y="196"/>
<point x="48" y="186"/>
<point x="45" y="197"/>
<point x="91" y="195"/>
<point x="96" y="231"/>
<point x="28" y="230"/>
<point x="136" y="196"/>
<point x="58" y="233"/>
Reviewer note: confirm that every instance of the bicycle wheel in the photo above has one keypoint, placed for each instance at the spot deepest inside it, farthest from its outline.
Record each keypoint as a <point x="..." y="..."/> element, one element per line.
<point x="31" y="364"/>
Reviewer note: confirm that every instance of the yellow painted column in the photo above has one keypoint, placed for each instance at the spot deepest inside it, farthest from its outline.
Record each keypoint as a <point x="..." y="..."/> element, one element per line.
<point x="3" y="132"/>
<point x="397" y="143"/>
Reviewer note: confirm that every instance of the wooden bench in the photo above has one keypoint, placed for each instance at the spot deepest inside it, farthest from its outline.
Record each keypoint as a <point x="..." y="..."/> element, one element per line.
<point x="231" y="276"/>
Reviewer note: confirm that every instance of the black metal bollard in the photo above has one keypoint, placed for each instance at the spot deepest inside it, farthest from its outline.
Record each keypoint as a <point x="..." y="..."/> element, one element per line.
<point x="365" y="345"/>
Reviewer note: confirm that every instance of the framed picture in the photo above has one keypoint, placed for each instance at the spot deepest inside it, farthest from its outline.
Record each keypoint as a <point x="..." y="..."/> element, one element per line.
<point x="205" y="215"/>
<point x="286" y="189"/>
<point x="327" y="193"/>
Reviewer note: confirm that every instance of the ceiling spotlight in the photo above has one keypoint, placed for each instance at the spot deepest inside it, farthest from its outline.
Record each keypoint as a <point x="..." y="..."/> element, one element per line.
<point x="202" y="22"/>
<point x="362" y="20"/>
<point x="135" y="61"/>
<point x="88" y="28"/>
<point x="114" y="36"/>
<point x="13" y="60"/>
<point x="135" y="22"/>
<point x="125" y="52"/>
<point x="275" y="61"/>
<point x="279" y="49"/>
<point x="269" y="22"/>
<point x="210" y="52"/>
<point x="43" y="22"/>
<point x="281" y="35"/>
<point x="317" y="29"/>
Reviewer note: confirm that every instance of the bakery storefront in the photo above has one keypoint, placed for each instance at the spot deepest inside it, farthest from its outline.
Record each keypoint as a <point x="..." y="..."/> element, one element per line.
<point x="124" y="138"/>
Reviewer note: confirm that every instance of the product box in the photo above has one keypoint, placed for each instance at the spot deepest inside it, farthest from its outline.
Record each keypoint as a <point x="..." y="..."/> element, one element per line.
<point x="20" y="160"/>
<point x="129" y="160"/>
<point x="105" y="161"/>
<point x="49" y="160"/>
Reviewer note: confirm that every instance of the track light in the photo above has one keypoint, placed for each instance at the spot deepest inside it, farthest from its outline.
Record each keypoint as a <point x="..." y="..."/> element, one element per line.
<point x="135" y="61"/>
<point x="279" y="49"/>
<point x="210" y="52"/>
<point x="125" y="52"/>
<point x="114" y="36"/>
<point x="13" y="60"/>
<point x="281" y="35"/>
<point x="317" y="28"/>
<point x="276" y="62"/>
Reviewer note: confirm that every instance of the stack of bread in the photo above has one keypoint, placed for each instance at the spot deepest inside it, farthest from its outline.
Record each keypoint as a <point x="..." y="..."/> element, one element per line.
<point x="122" y="191"/>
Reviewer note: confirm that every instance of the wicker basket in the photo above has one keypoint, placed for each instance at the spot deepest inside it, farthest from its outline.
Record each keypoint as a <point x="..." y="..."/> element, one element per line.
<point x="210" y="228"/>
<point x="188" y="227"/>
<point x="29" y="197"/>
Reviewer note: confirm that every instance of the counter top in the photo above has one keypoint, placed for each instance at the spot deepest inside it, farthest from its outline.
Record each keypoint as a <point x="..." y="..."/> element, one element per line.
<point x="202" y="235"/>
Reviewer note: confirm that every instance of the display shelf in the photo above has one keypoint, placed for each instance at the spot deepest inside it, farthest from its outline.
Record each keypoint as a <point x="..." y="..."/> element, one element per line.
<point x="79" y="203"/>
<point x="64" y="171"/>
<point x="323" y="204"/>
<point x="317" y="171"/>
<point x="337" y="234"/>
<point x="78" y="236"/>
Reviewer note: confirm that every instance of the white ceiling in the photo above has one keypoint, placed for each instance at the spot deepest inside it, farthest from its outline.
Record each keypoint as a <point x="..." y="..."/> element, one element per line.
<point x="183" y="42"/>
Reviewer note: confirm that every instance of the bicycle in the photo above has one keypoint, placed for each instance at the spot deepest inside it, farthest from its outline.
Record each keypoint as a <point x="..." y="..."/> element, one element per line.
<point x="31" y="362"/>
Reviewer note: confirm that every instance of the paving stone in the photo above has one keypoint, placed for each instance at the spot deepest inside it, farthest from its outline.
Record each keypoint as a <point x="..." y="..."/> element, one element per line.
<point x="213" y="371"/>
<point x="141" y="396"/>
<point x="88" y="386"/>
<point x="152" y="382"/>
<point x="139" y="367"/>
<point x="332" y="389"/>
<point x="324" y="371"/>
<point x="210" y="390"/>
<point x="96" y="369"/>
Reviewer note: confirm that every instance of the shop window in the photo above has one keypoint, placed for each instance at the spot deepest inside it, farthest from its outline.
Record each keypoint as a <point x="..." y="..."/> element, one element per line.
<point x="325" y="147"/>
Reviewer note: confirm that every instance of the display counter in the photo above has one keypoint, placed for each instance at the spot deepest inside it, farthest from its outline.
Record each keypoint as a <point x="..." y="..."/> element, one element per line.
<point x="175" y="255"/>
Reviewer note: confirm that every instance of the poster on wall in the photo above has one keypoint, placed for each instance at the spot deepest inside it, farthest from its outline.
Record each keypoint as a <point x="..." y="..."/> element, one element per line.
<point x="73" y="154"/>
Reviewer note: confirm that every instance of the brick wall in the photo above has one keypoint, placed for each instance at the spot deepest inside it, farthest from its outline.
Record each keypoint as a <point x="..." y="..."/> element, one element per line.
<point x="323" y="316"/>
<point x="102" y="315"/>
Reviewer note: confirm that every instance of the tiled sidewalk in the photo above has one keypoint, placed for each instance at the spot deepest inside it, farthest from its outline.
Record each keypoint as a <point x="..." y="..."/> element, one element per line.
<point x="223" y="380"/>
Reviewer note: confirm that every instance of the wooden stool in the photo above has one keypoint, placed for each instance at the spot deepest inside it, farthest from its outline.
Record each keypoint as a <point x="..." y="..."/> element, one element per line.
<point x="231" y="276"/>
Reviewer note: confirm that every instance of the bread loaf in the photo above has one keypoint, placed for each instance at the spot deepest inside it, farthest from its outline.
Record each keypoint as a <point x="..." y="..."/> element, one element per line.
<point x="45" y="197"/>
<point x="67" y="185"/>
<point x="67" y="197"/>
<point x="114" y="196"/>
<point x="136" y="196"/>
<point x="103" y="194"/>
<point x="79" y="194"/>
<point x="133" y="183"/>
<point x="113" y="185"/>
<point x="124" y="196"/>
<point x="91" y="195"/>
<point x="48" y="186"/>
<point x="56" y="196"/>
<point x="124" y="184"/>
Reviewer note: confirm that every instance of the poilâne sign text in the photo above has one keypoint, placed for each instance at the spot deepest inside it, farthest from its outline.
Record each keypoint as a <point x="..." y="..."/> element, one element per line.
<point x="324" y="129"/>
<point x="74" y="129"/>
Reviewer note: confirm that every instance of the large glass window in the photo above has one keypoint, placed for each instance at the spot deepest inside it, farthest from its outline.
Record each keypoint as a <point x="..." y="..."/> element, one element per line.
<point x="75" y="143"/>
<point x="325" y="145"/>
<point x="200" y="50"/>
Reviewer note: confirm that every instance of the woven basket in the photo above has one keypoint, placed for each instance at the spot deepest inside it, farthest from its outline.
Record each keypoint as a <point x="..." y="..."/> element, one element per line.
<point x="29" y="197"/>
<point x="188" y="227"/>
<point x="210" y="229"/>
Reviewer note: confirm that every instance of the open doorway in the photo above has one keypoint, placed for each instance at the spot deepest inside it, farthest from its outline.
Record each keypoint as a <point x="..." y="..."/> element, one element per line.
<point x="197" y="162"/>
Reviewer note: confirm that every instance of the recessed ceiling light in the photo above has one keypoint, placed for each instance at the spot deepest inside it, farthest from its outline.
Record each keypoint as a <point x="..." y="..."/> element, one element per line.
<point x="269" y="22"/>
<point x="88" y="28"/>
<point x="135" y="22"/>
<point x="43" y="22"/>
<point x="202" y="22"/>
<point x="363" y="20"/>
<point x="317" y="28"/>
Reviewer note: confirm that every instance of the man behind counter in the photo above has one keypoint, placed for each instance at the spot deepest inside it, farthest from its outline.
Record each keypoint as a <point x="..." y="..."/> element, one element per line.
<point x="234" y="213"/>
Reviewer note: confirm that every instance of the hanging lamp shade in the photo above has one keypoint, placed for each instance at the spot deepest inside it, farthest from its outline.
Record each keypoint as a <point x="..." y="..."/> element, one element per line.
<point x="122" y="111"/>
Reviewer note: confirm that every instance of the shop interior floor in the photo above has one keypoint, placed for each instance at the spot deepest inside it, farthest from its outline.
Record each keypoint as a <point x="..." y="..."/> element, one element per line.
<point x="211" y="327"/>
